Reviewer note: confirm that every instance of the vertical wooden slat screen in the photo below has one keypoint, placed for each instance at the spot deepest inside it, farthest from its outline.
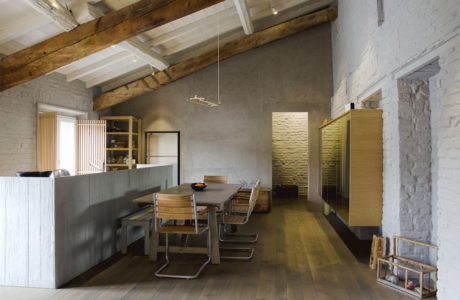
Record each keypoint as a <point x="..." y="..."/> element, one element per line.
<point x="91" y="146"/>
<point x="47" y="141"/>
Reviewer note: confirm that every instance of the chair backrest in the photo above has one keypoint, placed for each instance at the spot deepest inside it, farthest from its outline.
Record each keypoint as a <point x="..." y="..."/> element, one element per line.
<point x="215" y="178"/>
<point x="253" y="197"/>
<point x="174" y="207"/>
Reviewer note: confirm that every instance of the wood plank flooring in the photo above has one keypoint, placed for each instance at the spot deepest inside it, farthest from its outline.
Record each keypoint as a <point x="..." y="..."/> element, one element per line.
<point x="298" y="256"/>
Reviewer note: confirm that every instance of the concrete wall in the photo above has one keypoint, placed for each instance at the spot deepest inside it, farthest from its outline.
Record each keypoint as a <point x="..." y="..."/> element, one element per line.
<point x="368" y="57"/>
<point x="234" y="139"/>
<point x="290" y="150"/>
<point x="18" y="117"/>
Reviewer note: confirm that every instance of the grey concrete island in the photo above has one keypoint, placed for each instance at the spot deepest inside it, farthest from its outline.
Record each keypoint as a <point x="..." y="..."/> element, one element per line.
<point x="54" y="229"/>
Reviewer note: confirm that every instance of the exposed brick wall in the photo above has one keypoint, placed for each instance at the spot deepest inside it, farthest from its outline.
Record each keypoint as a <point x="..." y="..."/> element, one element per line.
<point x="448" y="145"/>
<point x="415" y="163"/>
<point x="290" y="150"/>
<point x="18" y="122"/>
<point x="368" y="57"/>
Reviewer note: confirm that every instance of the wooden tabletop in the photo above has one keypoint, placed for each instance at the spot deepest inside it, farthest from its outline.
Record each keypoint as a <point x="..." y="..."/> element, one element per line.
<point x="215" y="194"/>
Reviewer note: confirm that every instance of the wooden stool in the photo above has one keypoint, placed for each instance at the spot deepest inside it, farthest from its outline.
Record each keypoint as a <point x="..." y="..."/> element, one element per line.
<point x="142" y="218"/>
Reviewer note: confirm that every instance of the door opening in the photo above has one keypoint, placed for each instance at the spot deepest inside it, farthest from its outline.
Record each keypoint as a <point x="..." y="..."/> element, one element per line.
<point x="163" y="147"/>
<point x="290" y="154"/>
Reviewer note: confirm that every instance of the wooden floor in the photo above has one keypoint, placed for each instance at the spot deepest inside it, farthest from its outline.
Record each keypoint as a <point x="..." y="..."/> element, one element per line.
<point x="298" y="256"/>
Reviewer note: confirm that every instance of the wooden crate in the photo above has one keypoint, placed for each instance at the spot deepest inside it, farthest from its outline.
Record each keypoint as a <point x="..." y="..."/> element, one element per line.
<point x="425" y="276"/>
<point x="264" y="202"/>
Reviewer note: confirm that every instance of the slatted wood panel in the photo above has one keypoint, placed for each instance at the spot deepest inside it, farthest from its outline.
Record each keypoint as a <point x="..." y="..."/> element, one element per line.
<point x="26" y="238"/>
<point x="174" y="207"/>
<point x="91" y="146"/>
<point x="47" y="141"/>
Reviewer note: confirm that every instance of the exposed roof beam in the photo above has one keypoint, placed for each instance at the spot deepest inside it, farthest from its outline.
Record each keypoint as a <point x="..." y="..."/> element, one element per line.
<point x="84" y="10"/>
<point x="243" y="12"/>
<point x="20" y="26"/>
<point x="54" y="10"/>
<point x="113" y="59"/>
<point x="92" y="37"/>
<point x="144" y="53"/>
<point x="189" y="66"/>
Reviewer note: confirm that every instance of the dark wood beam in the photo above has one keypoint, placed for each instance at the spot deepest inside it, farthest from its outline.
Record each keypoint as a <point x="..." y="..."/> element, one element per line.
<point x="92" y="37"/>
<point x="189" y="66"/>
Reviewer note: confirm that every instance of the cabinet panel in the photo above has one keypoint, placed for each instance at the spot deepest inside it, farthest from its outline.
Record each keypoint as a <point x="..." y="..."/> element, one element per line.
<point x="351" y="166"/>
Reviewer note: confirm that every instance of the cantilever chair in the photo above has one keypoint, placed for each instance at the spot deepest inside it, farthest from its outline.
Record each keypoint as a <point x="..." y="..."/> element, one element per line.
<point x="171" y="208"/>
<point x="239" y="217"/>
<point x="215" y="179"/>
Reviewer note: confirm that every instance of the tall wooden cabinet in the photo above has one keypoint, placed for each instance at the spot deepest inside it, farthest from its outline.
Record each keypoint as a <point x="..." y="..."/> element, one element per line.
<point x="124" y="142"/>
<point x="352" y="166"/>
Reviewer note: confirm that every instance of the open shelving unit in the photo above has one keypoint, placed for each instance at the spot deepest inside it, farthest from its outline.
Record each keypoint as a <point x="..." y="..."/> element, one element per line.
<point x="124" y="142"/>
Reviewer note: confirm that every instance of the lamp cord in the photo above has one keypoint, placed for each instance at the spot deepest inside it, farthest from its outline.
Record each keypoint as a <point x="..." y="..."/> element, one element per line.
<point x="218" y="57"/>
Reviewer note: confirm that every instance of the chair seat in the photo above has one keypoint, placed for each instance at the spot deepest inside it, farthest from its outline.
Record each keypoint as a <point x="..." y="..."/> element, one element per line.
<point x="232" y="219"/>
<point x="183" y="229"/>
<point x="240" y="208"/>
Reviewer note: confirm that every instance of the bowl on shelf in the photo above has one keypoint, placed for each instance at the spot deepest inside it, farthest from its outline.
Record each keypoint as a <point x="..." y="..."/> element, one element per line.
<point x="198" y="186"/>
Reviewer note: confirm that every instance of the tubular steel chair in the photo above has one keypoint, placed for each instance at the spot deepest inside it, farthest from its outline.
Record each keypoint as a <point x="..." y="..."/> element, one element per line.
<point x="239" y="218"/>
<point x="215" y="179"/>
<point x="172" y="209"/>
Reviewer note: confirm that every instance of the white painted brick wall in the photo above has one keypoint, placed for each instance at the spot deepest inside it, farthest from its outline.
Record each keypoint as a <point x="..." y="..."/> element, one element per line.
<point x="367" y="57"/>
<point x="18" y="122"/>
<point x="290" y="150"/>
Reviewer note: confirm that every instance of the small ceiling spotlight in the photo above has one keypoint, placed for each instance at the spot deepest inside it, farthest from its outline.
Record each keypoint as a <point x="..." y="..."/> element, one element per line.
<point x="274" y="11"/>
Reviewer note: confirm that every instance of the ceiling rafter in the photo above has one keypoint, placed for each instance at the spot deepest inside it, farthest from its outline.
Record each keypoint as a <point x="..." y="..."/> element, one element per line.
<point x="189" y="66"/>
<point x="144" y="53"/>
<point x="244" y="15"/>
<point x="54" y="10"/>
<point x="92" y="37"/>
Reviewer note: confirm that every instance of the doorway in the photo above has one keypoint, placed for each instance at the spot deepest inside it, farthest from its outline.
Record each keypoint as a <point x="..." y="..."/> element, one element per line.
<point x="290" y="153"/>
<point x="163" y="147"/>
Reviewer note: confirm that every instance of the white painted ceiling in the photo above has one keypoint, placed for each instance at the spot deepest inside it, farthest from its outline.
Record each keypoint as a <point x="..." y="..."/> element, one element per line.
<point x="22" y="26"/>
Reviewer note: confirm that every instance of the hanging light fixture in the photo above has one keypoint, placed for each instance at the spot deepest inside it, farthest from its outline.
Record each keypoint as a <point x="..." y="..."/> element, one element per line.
<point x="202" y="100"/>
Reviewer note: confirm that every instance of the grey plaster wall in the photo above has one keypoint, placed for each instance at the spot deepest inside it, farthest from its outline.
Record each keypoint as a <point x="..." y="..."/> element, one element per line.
<point x="234" y="139"/>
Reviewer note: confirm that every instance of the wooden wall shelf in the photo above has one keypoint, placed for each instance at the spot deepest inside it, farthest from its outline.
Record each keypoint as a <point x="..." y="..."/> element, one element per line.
<point x="127" y="130"/>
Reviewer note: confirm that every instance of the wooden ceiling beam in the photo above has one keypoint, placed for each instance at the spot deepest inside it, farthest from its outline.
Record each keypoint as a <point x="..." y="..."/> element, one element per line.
<point x="92" y="37"/>
<point x="189" y="66"/>
<point x="245" y="18"/>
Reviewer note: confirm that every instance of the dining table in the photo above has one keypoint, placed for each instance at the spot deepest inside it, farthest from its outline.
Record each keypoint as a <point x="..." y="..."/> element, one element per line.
<point x="214" y="197"/>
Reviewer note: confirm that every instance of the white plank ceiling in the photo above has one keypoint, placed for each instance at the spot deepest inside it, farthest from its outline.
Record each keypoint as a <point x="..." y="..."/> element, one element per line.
<point x="22" y="25"/>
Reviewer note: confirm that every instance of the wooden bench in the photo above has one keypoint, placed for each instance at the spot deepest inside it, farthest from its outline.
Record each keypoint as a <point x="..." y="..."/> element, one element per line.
<point x="142" y="218"/>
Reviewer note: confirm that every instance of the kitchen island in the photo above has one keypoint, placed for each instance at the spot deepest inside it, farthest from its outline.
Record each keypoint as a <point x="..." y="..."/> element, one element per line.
<point x="54" y="229"/>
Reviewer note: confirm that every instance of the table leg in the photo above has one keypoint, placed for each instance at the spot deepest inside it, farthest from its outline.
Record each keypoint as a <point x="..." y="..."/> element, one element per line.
<point x="154" y="242"/>
<point x="215" y="253"/>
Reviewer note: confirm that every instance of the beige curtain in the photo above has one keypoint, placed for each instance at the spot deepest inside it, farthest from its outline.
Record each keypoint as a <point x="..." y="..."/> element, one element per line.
<point x="91" y="146"/>
<point x="47" y="139"/>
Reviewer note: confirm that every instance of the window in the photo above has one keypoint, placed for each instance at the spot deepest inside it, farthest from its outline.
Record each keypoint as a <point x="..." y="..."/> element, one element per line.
<point x="66" y="143"/>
